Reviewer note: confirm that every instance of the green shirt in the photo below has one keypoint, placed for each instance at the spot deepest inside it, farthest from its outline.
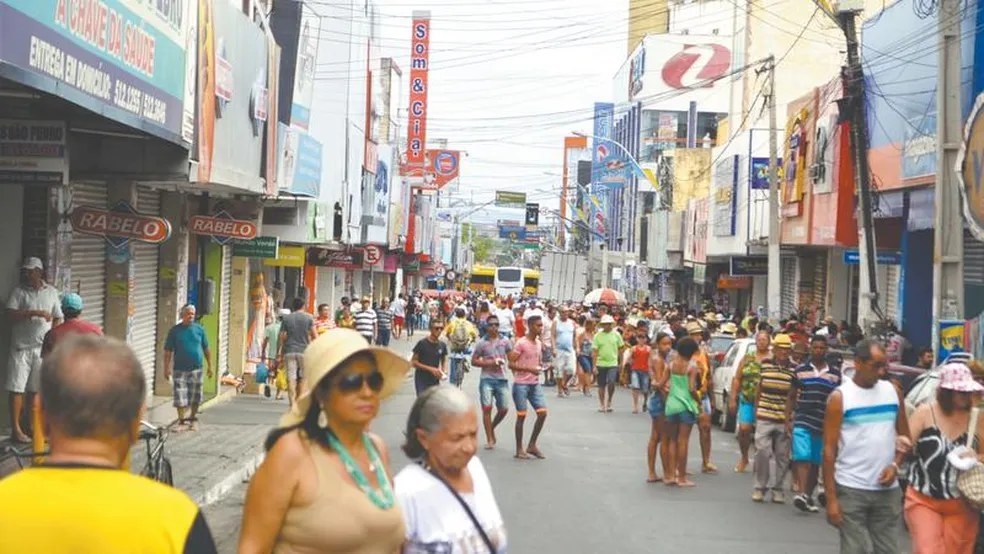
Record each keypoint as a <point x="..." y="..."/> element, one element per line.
<point x="607" y="345"/>
<point x="272" y="333"/>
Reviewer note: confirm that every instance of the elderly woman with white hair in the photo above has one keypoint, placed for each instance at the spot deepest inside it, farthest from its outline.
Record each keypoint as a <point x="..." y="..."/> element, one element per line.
<point x="447" y="499"/>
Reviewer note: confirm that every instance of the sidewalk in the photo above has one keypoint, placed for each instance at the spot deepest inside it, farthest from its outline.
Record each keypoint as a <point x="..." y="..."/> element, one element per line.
<point x="228" y="445"/>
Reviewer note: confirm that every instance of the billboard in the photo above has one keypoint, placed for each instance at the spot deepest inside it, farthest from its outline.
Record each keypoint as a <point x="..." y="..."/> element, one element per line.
<point x="672" y="70"/>
<point x="124" y="59"/>
<point x="305" y="68"/>
<point x="441" y="168"/>
<point x="417" y="105"/>
<point x="691" y="176"/>
<point x="902" y="77"/>
<point x="725" y="196"/>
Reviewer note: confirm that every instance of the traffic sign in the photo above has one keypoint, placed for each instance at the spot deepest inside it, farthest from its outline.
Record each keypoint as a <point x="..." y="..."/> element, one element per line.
<point x="373" y="254"/>
<point x="441" y="271"/>
<point x="450" y="275"/>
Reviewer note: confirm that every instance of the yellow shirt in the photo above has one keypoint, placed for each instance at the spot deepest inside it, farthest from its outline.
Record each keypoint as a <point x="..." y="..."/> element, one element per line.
<point x="91" y="510"/>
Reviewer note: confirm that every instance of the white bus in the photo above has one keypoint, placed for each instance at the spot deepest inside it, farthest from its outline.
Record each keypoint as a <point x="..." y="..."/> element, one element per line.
<point x="509" y="281"/>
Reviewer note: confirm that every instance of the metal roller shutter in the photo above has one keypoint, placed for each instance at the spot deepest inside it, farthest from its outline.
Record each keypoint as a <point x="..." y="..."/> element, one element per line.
<point x="224" y="309"/>
<point x="146" y="265"/>
<point x="892" y="293"/>
<point x="88" y="253"/>
<point x="820" y="285"/>
<point x="787" y="302"/>
<point x="973" y="259"/>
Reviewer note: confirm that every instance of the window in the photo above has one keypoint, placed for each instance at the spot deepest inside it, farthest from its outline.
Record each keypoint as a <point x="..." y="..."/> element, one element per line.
<point x="510" y="274"/>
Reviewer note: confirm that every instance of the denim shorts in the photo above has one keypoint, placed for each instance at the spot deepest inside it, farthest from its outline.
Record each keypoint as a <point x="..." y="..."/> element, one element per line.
<point x="584" y="362"/>
<point x="746" y="412"/>
<point x="683" y="418"/>
<point x="705" y="405"/>
<point x="493" y="392"/>
<point x="656" y="405"/>
<point x="641" y="380"/>
<point x="528" y="395"/>
<point x="807" y="446"/>
<point x="607" y="376"/>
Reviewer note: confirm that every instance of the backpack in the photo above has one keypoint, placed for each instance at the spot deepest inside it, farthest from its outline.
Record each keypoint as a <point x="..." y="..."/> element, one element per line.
<point x="460" y="337"/>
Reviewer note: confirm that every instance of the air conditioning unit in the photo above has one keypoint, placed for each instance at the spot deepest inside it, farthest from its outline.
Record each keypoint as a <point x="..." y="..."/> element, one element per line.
<point x="841" y="6"/>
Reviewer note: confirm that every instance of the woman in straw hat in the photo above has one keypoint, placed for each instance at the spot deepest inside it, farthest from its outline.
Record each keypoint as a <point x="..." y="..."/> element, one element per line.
<point x="325" y="485"/>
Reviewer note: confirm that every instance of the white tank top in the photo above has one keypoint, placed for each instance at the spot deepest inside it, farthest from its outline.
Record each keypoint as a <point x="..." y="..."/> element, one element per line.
<point x="867" y="438"/>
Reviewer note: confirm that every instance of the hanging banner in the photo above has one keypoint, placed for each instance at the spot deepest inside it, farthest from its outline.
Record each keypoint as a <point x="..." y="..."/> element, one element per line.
<point x="417" y="106"/>
<point x="305" y="68"/>
<point x="970" y="170"/>
<point x="510" y="199"/>
<point x="442" y="167"/>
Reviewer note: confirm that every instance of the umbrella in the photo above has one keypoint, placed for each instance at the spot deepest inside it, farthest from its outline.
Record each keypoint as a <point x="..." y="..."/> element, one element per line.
<point x="604" y="296"/>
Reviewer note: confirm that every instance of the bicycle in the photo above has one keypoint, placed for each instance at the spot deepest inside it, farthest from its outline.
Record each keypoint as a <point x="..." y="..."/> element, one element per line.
<point x="19" y="454"/>
<point x="157" y="466"/>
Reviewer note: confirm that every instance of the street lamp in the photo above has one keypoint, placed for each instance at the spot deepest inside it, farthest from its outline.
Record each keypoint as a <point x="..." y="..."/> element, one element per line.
<point x="636" y="166"/>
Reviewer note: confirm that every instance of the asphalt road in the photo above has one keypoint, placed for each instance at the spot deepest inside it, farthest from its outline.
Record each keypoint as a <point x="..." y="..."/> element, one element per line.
<point x="590" y="495"/>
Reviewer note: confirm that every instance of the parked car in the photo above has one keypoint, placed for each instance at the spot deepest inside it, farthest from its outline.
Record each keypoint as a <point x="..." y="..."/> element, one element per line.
<point x="923" y="387"/>
<point x="718" y="347"/>
<point x="722" y="377"/>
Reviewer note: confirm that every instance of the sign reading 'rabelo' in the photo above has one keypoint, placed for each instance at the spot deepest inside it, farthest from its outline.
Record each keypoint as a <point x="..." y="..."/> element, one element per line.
<point x="119" y="224"/>
<point x="970" y="169"/>
<point x="222" y="227"/>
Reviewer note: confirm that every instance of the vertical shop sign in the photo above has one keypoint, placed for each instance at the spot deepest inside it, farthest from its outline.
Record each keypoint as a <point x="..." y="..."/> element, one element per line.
<point x="417" y="106"/>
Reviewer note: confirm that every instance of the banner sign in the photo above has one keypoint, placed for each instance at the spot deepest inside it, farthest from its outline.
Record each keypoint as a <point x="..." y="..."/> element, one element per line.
<point x="299" y="165"/>
<point x="532" y="216"/>
<point x="442" y="167"/>
<point x="257" y="247"/>
<point x="304" y="71"/>
<point x="724" y="187"/>
<point x="749" y="265"/>
<point x="119" y="224"/>
<point x="417" y="106"/>
<point x="33" y="152"/>
<point x="970" y="169"/>
<point x="509" y="199"/>
<point x="124" y="59"/>
<point x="343" y="259"/>
<point x="513" y="233"/>
<point x="222" y="227"/>
<point x="852" y="257"/>
<point x="758" y="172"/>
<point x="952" y="335"/>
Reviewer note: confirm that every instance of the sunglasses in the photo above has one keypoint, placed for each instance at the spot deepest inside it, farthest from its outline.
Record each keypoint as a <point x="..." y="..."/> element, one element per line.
<point x="354" y="382"/>
<point x="493" y="324"/>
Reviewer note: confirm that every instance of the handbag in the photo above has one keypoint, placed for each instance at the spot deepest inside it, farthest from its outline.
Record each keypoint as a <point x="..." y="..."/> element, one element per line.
<point x="468" y="510"/>
<point x="970" y="483"/>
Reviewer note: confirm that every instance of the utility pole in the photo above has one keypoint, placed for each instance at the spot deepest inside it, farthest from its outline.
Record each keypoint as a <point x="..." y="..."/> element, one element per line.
<point x="774" y="279"/>
<point x="948" y="292"/>
<point x="869" y="314"/>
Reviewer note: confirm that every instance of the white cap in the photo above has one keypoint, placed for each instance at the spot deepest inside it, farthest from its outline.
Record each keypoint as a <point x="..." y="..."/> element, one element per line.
<point x="32" y="263"/>
<point x="284" y="311"/>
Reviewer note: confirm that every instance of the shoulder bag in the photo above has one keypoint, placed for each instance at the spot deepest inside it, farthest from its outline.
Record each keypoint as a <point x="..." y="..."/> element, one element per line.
<point x="468" y="510"/>
<point x="970" y="483"/>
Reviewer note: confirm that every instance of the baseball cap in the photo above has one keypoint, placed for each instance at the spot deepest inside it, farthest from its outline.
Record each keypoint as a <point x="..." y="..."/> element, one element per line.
<point x="607" y="319"/>
<point x="32" y="263"/>
<point x="72" y="301"/>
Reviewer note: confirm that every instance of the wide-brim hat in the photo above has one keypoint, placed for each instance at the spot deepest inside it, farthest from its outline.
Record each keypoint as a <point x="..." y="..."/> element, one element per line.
<point x="607" y="319"/>
<point x="958" y="377"/>
<point x="326" y="353"/>
<point x="782" y="340"/>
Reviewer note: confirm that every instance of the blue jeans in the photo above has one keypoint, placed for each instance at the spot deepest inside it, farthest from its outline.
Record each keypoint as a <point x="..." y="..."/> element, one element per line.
<point x="493" y="392"/>
<point x="528" y="395"/>
<point x="383" y="337"/>
<point x="456" y="365"/>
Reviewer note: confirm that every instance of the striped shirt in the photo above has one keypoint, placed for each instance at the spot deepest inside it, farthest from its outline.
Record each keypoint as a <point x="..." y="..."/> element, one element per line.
<point x="867" y="434"/>
<point x="774" y="385"/>
<point x="814" y="386"/>
<point x="385" y="319"/>
<point x="365" y="322"/>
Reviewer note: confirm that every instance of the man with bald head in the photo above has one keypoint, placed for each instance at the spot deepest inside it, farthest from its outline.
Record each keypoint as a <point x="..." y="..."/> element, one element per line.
<point x="92" y="398"/>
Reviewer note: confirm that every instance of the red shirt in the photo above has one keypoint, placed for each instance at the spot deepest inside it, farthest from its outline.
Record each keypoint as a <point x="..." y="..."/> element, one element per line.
<point x="71" y="326"/>
<point x="640" y="357"/>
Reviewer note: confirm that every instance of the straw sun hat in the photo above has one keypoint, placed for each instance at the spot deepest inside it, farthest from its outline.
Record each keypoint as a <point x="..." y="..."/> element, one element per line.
<point x="325" y="354"/>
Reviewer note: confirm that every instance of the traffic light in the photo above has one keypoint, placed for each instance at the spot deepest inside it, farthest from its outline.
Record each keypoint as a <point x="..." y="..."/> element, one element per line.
<point x="584" y="172"/>
<point x="532" y="215"/>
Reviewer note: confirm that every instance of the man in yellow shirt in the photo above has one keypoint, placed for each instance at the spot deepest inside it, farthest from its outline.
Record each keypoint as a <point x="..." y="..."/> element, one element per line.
<point x="83" y="499"/>
<point x="461" y="334"/>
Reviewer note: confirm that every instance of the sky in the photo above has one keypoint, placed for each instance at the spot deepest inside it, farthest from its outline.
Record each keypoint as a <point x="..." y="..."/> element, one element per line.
<point x="509" y="79"/>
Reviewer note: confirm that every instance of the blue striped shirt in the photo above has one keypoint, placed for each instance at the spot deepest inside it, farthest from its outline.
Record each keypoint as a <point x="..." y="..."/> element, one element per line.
<point x="814" y="386"/>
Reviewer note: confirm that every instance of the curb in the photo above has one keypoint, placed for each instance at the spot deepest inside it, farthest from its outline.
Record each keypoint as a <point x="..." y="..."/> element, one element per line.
<point x="218" y="491"/>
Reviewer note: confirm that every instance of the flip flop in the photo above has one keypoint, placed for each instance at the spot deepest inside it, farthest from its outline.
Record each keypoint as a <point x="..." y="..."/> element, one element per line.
<point x="523" y="456"/>
<point x="656" y="480"/>
<point x="536" y="454"/>
<point x="489" y="446"/>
